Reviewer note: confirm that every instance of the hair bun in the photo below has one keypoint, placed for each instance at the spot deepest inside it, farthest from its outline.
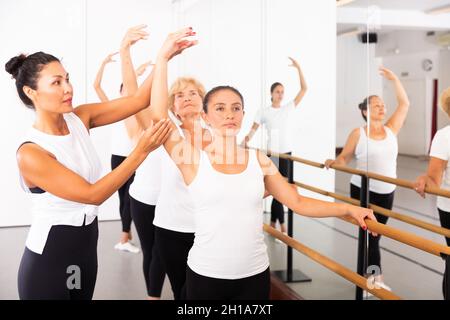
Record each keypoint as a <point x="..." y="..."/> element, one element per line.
<point x="14" y="64"/>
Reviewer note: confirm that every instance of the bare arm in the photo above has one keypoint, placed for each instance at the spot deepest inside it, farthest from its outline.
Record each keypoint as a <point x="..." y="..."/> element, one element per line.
<point x="40" y="169"/>
<point x="347" y="152"/>
<point x="180" y="150"/>
<point x="98" y="79"/>
<point x="433" y="176"/>
<point x="100" y="114"/>
<point x="303" y="86"/>
<point x="250" y="135"/>
<point x="285" y="193"/>
<point x="396" y="121"/>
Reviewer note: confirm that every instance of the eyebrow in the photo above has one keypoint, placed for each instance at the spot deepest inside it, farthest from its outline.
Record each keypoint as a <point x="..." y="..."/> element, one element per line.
<point x="60" y="76"/>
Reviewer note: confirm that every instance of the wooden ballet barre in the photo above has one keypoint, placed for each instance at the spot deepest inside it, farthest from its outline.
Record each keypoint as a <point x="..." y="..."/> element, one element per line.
<point x="337" y="268"/>
<point x="399" y="182"/>
<point x="399" y="235"/>
<point x="388" y="213"/>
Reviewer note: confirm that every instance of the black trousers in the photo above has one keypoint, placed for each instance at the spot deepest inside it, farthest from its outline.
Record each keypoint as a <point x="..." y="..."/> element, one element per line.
<point x="154" y="274"/>
<point x="199" y="287"/>
<point x="124" y="196"/>
<point x="66" y="269"/>
<point x="445" y="223"/>
<point x="382" y="200"/>
<point x="277" y="210"/>
<point x="173" y="248"/>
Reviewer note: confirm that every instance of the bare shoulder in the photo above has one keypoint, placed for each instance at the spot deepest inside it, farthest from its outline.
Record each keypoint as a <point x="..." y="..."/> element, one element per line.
<point x="30" y="154"/>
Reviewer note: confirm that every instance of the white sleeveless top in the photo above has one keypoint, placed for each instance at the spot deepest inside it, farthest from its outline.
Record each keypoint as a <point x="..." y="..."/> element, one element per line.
<point x="174" y="208"/>
<point x="76" y="152"/>
<point x="147" y="180"/>
<point x="229" y="240"/>
<point x="121" y="144"/>
<point x="377" y="156"/>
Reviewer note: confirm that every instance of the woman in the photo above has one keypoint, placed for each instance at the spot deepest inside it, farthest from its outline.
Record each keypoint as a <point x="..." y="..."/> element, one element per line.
<point x="438" y="173"/>
<point x="375" y="148"/>
<point x="174" y="213"/>
<point x="228" y="260"/>
<point x="59" y="166"/>
<point x="121" y="132"/>
<point x="276" y="117"/>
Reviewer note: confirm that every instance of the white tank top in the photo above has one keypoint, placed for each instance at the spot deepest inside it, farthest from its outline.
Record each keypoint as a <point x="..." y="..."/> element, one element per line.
<point x="377" y="156"/>
<point x="147" y="180"/>
<point x="229" y="241"/>
<point x="121" y="144"/>
<point x="76" y="152"/>
<point x="174" y="208"/>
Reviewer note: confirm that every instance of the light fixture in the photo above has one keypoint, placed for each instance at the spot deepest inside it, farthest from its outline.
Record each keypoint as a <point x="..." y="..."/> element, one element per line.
<point x="348" y="32"/>
<point x="439" y="10"/>
<point x="340" y="3"/>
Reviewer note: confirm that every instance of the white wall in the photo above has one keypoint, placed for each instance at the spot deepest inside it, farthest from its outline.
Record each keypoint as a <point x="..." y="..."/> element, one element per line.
<point x="357" y="77"/>
<point x="231" y="51"/>
<point x="29" y="26"/>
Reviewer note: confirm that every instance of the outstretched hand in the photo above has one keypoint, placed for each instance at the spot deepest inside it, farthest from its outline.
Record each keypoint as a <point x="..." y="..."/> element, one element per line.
<point x="109" y="58"/>
<point x="141" y="69"/>
<point x="294" y="63"/>
<point x="388" y="74"/>
<point x="176" y="43"/>
<point x="133" y="35"/>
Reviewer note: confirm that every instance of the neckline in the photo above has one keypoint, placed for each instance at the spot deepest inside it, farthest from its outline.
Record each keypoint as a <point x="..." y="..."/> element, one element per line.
<point x="227" y="174"/>
<point x="376" y="140"/>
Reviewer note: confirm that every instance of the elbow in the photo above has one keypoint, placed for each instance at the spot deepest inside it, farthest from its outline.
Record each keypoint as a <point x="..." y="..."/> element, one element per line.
<point x="94" y="197"/>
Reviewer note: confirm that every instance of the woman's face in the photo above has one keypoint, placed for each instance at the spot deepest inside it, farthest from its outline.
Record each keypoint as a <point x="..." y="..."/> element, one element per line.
<point x="54" y="91"/>
<point x="187" y="102"/>
<point x="377" y="109"/>
<point x="278" y="94"/>
<point x="225" y="113"/>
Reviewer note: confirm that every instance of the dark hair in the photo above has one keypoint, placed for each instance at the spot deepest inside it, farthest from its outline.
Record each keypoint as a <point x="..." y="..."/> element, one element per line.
<point x="217" y="89"/>
<point x="25" y="69"/>
<point x="273" y="86"/>
<point x="363" y="105"/>
<point x="121" y="88"/>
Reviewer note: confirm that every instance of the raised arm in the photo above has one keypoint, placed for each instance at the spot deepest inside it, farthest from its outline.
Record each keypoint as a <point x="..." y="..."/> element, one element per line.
<point x="285" y="193"/>
<point x="180" y="150"/>
<point x="40" y="169"/>
<point x="347" y="152"/>
<point x="100" y="114"/>
<point x="396" y="121"/>
<point x="98" y="79"/>
<point x="303" y="86"/>
<point x="130" y="84"/>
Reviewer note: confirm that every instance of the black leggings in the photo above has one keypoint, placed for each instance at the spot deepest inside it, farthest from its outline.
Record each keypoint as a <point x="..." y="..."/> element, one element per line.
<point x="199" y="287"/>
<point x="382" y="200"/>
<point x="445" y="223"/>
<point x="66" y="269"/>
<point x="143" y="215"/>
<point x="124" y="196"/>
<point x="277" y="210"/>
<point x="173" y="248"/>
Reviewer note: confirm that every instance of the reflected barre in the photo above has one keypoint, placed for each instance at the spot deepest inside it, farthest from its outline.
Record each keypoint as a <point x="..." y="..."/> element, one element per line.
<point x="337" y="268"/>
<point x="399" y="182"/>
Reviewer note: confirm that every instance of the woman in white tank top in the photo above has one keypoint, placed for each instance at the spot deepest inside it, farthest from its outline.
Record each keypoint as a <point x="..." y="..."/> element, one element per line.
<point x="227" y="182"/>
<point x="375" y="149"/>
<point x="66" y="178"/>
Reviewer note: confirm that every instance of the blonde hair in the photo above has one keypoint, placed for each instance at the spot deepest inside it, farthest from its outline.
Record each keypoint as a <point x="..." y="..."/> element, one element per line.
<point x="180" y="84"/>
<point x="444" y="101"/>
